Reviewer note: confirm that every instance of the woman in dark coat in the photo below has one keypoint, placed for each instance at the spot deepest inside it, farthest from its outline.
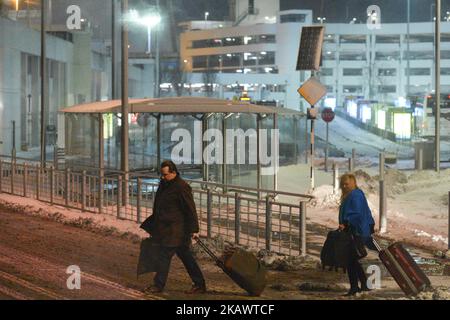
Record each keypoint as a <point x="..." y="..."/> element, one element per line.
<point x="355" y="217"/>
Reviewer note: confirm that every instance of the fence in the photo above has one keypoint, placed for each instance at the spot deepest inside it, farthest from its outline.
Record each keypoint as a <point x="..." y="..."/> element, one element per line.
<point x="251" y="217"/>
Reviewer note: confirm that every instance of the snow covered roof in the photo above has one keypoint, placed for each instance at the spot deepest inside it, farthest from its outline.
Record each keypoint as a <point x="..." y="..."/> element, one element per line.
<point x="177" y="105"/>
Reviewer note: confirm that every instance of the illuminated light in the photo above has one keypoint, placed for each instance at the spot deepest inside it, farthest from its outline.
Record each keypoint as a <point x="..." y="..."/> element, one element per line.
<point x="246" y="55"/>
<point x="229" y="54"/>
<point x="401" y="102"/>
<point x="330" y="103"/>
<point x="352" y="109"/>
<point x="246" y="70"/>
<point x="247" y="39"/>
<point x="268" y="69"/>
<point x="402" y="125"/>
<point x="429" y="97"/>
<point x="239" y="70"/>
<point x="381" y="119"/>
<point x="185" y="61"/>
<point x="366" y="113"/>
<point x="228" y="39"/>
<point x="263" y="53"/>
<point x="328" y="52"/>
<point x="17" y="5"/>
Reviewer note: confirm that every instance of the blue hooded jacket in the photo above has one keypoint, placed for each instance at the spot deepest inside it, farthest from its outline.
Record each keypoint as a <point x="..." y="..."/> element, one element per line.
<point x="355" y="212"/>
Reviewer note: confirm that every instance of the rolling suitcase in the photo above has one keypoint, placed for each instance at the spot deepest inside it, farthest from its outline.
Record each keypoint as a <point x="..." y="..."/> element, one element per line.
<point x="403" y="268"/>
<point x="242" y="267"/>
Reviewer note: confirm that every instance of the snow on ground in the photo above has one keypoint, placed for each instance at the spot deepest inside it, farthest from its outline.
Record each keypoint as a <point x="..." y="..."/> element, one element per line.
<point x="417" y="204"/>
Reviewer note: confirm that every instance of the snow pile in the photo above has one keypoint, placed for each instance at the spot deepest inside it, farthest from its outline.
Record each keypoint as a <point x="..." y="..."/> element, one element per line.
<point x="441" y="293"/>
<point x="325" y="198"/>
<point x="434" y="238"/>
<point x="274" y="261"/>
<point x="320" y="287"/>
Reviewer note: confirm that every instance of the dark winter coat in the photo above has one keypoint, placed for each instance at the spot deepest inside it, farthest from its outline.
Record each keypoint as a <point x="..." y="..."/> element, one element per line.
<point x="355" y="213"/>
<point x="174" y="216"/>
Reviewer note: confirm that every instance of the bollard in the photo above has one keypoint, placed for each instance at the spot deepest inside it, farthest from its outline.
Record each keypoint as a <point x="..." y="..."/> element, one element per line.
<point x="268" y="223"/>
<point x="67" y="186"/>
<point x="208" y="213"/>
<point x="119" y="195"/>
<point x="139" y="199"/>
<point x="25" y="179"/>
<point x="420" y="159"/>
<point x="38" y="180"/>
<point x="83" y="191"/>
<point x="1" y="175"/>
<point x="237" y="217"/>
<point x="13" y="171"/>
<point x="335" y="178"/>
<point x="302" y="230"/>
<point x="383" y="218"/>
<point x="52" y="184"/>
<point x="101" y="183"/>
<point x="353" y="159"/>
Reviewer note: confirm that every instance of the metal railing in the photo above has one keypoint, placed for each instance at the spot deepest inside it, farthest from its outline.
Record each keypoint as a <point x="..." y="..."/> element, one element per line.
<point x="246" y="216"/>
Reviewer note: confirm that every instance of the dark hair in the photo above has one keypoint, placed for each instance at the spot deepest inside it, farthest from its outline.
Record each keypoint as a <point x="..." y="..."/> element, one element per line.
<point x="170" y="164"/>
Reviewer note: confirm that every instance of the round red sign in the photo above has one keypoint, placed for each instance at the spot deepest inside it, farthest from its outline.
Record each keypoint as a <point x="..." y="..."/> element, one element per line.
<point x="327" y="114"/>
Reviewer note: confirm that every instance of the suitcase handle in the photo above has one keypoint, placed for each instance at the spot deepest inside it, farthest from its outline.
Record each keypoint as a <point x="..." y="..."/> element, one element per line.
<point x="210" y="253"/>
<point x="376" y="245"/>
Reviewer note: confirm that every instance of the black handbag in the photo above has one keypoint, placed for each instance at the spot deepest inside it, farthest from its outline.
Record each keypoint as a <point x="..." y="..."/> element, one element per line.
<point x="359" y="247"/>
<point x="149" y="256"/>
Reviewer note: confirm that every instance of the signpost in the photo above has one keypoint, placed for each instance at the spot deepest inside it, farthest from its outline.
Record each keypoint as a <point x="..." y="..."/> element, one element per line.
<point x="312" y="91"/>
<point x="309" y="58"/>
<point x="327" y="116"/>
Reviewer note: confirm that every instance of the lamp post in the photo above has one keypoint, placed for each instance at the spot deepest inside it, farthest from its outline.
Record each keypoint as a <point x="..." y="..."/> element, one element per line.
<point x="206" y="15"/>
<point x="149" y="21"/>
<point x="437" y="74"/>
<point x="321" y="19"/>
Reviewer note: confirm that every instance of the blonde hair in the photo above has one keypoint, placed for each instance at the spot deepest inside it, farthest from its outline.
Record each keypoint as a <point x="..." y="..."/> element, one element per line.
<point x="346" y="176"/>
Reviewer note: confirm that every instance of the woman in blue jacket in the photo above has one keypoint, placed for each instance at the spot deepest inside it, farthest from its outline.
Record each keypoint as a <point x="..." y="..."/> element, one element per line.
<point x="355" y="217"/>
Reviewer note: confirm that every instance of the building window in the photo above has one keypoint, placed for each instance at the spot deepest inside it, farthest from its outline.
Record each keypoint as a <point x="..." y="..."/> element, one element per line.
<point x="388" y="39"/>
<point x="417" y="38"/>
<point x="352" y="56"/>
<point x="387" y="89"/>
<point x="232" y="60"/>
<point x="266" y="58"/>
<point x="293" y="17"/>
<point x="352" y="38"/>
<point x="352" y="89"/>
<point x="387" y="72"/>
<point x="392" y="55"/>
<point x="328" y="55"/>
<point x="445" y="71"/>
<point x="329" y="38"/>
<point x="418" y="72"/>
<point x="326" y="72"/>
<point x="199" y="62"/>
<point x="352" y="72"/>
<point x="419" y="55"/>
<point x="266" y="38"/>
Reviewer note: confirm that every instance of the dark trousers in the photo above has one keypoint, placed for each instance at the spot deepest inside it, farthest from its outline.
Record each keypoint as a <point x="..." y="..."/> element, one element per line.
<point x="185" y="255"/>
<point x="356" y="274"/>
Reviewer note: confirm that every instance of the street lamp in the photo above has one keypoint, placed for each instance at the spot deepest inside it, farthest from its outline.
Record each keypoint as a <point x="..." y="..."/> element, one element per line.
<point x="321" y="19"/>
<point x="206" y="15"/>
<point x="353" y="21"/>
<point x="149" y="21"/>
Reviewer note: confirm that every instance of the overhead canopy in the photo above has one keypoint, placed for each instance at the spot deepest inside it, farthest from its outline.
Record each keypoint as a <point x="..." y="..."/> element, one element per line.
<point x="178" y="105"/>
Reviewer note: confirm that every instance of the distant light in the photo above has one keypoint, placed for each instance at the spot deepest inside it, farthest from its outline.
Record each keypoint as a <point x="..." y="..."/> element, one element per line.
<point x="263" y="52"/>
<point x="239" y="70"/>
<point x="228" y="39"/>
<point x="229" y="54"/>
<point x="220" y="25"/>
<point x="328" y="52"/>
<point x="185" y="61"/>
